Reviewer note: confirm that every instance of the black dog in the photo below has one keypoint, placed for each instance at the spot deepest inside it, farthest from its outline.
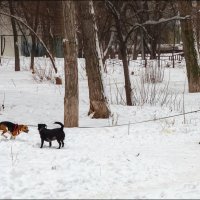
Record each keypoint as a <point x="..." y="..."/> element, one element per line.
<point x="51" y="134"/>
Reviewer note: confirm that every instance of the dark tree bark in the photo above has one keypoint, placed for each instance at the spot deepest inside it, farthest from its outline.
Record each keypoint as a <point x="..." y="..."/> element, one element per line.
<point x="190" y="47"/>
<point x="35" y="26"/>
<point x="31" y="14"/>
<point x="119" y="25"/>
<point x="98" y="104"/>
<point x="15" y="36"/>
<point x="71" y="101"/>
<point x="128" y="89"/>
<point x="33" y="50"/>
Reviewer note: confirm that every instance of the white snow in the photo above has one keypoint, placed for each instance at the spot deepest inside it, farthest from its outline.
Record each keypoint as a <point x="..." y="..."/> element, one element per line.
<point x="157" y="159"/>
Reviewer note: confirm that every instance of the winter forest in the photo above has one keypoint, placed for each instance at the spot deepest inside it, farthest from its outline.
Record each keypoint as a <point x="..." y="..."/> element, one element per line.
<point x="99" y="99"/>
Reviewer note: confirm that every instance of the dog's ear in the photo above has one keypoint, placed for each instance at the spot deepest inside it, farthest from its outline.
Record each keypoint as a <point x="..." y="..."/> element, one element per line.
<point x="41" y="126"/>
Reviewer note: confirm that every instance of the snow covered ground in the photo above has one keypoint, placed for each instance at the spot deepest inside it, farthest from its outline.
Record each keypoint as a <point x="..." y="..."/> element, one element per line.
<point x="157" y="159"/>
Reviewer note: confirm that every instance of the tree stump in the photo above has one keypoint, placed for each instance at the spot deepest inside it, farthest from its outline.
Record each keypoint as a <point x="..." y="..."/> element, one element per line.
<point x="99" y="109"/>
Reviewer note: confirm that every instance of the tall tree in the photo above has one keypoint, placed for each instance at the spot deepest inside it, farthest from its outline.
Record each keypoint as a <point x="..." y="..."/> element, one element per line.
<point x="190" y="47"/>
<point x="119" y="11"/>
<point x="31" y="13"/>
<point x="98" y="103"/>
<point x="71" y="101"/>
<point x="15" y="36"/>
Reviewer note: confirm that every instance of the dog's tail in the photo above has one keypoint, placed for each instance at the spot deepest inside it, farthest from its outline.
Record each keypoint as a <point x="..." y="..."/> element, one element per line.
<point x="62" y="126"/>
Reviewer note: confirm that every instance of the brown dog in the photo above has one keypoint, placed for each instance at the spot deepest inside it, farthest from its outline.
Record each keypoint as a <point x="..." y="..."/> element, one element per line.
<point x="14" y="129"/>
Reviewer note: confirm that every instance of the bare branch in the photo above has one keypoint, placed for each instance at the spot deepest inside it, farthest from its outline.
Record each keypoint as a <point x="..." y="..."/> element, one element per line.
<point x="163" y="20"/>
<point x="41" y="41"/>
<point x="152" y="22"/>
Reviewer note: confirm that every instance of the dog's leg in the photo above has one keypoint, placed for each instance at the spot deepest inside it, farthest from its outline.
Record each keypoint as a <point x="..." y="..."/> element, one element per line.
<point x="59" y="144"/>
<point x="4" y="135"/>
<point x="12" y="137"/>
<point x="42" y="142"/>
<point x="62" y="143"/>
<point x="4" y="129"/>
<point x="50" y="144"/>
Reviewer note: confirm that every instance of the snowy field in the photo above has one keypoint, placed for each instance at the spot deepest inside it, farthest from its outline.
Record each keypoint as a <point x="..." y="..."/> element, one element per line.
<point x="101" y="159"/>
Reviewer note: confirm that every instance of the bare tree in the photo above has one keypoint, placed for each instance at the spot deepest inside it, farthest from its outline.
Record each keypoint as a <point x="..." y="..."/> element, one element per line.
<point x="118" y="10"/>
<point x="54" y="24"/>
<point x="107" y="37"/>
<point x="40" y="40"/>
<point x="190" y="46"/>
<point x="155" y="31"/>
<point x="15" y="36"/>
<point x="71" y="102"/>
<point x="93" y="59"/>
<point x="31" y="11"/>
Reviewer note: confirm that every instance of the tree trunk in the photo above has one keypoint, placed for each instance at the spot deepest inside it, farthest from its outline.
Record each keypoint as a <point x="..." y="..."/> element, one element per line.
<point x="98" y="104"/>
<point x="35" y="26"/>
<point x="190" y="47"/>
<point x="142" y="44"/>
<point x="153" y="49"/>
<point x="33" y="49"/>
<point x="123" y="52"/>
<point x="126" y="75"/>
<point x="71" y="102"/>
<point x="124" y="57"/>
<point x="15" y="36"/>
<point x="136" y="47"/>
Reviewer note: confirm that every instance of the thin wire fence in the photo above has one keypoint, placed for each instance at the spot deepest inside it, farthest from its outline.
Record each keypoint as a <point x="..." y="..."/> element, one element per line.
<point x="133" y="123"/>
